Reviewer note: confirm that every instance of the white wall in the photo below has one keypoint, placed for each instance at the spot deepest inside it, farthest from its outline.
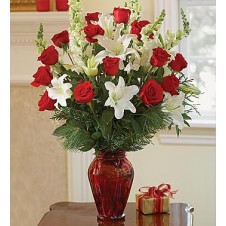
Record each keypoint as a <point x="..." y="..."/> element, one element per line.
<point x="189" y="168"/>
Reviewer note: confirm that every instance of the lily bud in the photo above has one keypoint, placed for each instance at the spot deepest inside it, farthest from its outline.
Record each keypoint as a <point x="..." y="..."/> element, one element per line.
<point x="91" y="69"/>
<point x="189" y="88"/>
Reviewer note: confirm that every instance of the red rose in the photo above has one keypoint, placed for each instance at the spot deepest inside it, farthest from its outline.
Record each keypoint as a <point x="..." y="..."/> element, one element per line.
<point x="61" y="38"/>
<point x="159" y="57"/>
<point x="83" y="92"/>
<point x="170" y="84"/>
<point x="42" y="76"/>
<point x="121" y="15"/>
<point x="137" y="26"/>
<point x="151" y="93"/>
<point x="92" y="17"/>
<point x="46" y="103"/>
<point x="179" y="63"/>
<point x="92" y="30"/>
<point x="111" y="65"/>
<point x="49" y="56"/>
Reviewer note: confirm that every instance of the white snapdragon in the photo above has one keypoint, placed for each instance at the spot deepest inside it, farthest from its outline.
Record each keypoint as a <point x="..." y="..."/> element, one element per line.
<point x="77" y="23"/>
<point x="60" y="91"/>
<point x="120" y="96"/>
<point x="135" y="8"/>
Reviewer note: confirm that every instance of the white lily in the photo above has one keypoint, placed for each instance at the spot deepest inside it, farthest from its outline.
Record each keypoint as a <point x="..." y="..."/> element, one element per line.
<point x="106" y="22"/>
<point x="120" y="96"/>
<point x="146" y="51"/>
<point x="173" y="105"/>
<point x="116" y="47"/>
<point x="60" y="91"/>
<point x="134" y="64"/>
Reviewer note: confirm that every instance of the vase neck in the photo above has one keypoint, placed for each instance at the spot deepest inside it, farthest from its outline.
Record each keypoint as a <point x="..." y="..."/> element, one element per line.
<point x="110" y="155"/>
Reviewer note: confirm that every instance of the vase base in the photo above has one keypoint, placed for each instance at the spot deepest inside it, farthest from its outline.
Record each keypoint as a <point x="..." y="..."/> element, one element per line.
<point x="111" y="218"/>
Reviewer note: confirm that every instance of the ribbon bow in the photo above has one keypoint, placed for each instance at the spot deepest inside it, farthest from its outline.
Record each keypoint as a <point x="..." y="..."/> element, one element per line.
<point x="162" y="190"/>
<point x="156" y="192"/>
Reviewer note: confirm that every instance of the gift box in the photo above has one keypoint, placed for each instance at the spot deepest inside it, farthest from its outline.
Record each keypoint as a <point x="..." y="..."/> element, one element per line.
<point x="161" y="219"/>
<point x="154" y="199"/>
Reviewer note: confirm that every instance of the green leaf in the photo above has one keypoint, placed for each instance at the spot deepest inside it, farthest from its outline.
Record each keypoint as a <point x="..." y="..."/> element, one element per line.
<point x="96" y="135"/>
<point x="186" y="123"/>
<point x="136" y="126"/>
<point x="186" y="117"/>
<point x="60" y="131"/>
<point x="107" y="116"/>
<point x="161" y="40"/>
<point x="105" y="129"/>
<point x="178" y="131"/>
<point x="89" y="145"/>
<point x="159" y="74"/>
<point x="74" y="137"/>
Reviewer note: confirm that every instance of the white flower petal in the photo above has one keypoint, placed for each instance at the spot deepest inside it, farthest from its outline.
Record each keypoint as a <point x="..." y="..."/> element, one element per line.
<point x="66" y="86"/>
<point x="108" y="102"/>
<point x="56" y="105"/>
<point x="129" y="92"/>
<point x="119" y="111"/>
<point x="121" y="82"/>
<point x="62" y="102"/>
<point x="174" y="105"/>
<point x="178" y="120"/>
<point x="109" y="86"/>
<point x="132" y="51"/>
<point x="167" y="71"/>
<point x="68" y="94"/>
<point x="54" y="82"/>
<point x="118" y="31"/>
<point x="108" y="44"/>
<point x="61" y="79"/>
<point x="120" y="96"/>
<point x="125" y="39"/>
<point x="60" y="91"/>
<point x="130" y="106"/>
<point x="121" y="65"/>
<point x="101" y="55"/>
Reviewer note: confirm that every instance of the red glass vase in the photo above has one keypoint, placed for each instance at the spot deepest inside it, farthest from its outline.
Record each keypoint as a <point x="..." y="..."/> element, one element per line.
<point x="110" y="176"/>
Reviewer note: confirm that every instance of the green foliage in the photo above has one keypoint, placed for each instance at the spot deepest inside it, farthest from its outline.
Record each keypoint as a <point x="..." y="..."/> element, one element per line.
<point x="40" y="42"/>
<point x="135" y="8"/>
<point x="84" y="130"/>
<point x="186" y="25"/>
<point x="93" y="125"/>
<point x="158" y="75"/>
<point x="75" y="138"/>
<point x="151" y="28"/>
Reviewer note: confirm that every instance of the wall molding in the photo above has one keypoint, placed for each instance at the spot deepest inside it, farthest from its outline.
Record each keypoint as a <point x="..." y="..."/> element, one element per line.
<point x="24" y="25"/>
<point x="187" y="139"/>
<point x="21" y="80"/>
<point x="23" y="31"/>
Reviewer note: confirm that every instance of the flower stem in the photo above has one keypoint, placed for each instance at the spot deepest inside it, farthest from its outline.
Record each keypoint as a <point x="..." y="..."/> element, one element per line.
<point x="70" y="58"/>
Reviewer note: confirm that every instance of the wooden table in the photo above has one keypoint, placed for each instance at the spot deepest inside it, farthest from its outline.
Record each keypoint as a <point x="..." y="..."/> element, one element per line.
<point x="85" y="214"/>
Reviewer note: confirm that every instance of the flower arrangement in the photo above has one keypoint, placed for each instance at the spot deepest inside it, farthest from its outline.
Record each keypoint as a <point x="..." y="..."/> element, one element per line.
<point x="122" y="82"/>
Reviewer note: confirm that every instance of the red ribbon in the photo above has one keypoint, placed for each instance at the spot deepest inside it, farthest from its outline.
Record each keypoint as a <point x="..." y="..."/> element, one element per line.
<point x="162" y="190"/>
